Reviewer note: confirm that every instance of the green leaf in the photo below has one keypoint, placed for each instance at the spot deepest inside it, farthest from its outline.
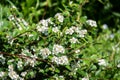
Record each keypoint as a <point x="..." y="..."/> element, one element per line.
<point x="57" y="70"/>
<point x="98" y="72"/>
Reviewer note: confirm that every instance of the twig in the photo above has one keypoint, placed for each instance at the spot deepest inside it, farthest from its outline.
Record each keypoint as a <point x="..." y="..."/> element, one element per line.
<point x="26" y="57"/>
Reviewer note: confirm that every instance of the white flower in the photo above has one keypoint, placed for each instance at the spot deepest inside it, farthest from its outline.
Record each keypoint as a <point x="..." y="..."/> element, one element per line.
<point x="73" y="27"/>
<point x="45" y="52"/>
<point x="1" y="23"/>
<point x="55" y="59"/>
<point x="77" y="30"/>
<point x="73" y="40"/>
<point x="70" y="2"/>
<point x="10" y="67"/>
<point x="64" y="60"/>
<point x="60" y="17"/>
<point x="19" y="21"/>
<point x="14" y="7"/>
<point x="55" y="30"/>
<point x="58" y="49"/>
<point x="34" y="56"/>
<point x="69" y="31"/>
<point x="42" y="28"/>
<point x="82" y="33"/>
<point x="10" y="40"/>
<point x="60" y="60"/>
<point x="13" y="75"/>
<point x="85" y="78"/>
<point x="105" y="26"/>
<point x="2" y="59"/>
<point x="77" y="51"/>
<point x="118" y="65"/>
<point x="102" y="62"/>
<point x="31" y="62"/>
<point x="44" y="23"/>
<point x="23" y="74"/>
<point x="19" y="64"/>
<point x="24" y="22"/>
<point x="111" y="36"/>
<point x="2" y="74"/>
<point x="21" y="78"/>
<point x="61" y="77"/>
<point x="19" y="26"/>
<point x="49" y="21"/>
<point x="30" y="35"/>
<point x="92" y="23"/>
<point x="11" y="17"/>
<point x="11" y="60"/>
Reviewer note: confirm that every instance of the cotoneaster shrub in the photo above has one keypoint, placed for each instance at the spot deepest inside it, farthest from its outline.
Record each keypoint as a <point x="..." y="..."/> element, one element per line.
<point x="66" y="46"/>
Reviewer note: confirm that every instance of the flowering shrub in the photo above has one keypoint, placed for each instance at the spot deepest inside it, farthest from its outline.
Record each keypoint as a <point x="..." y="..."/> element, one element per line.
<point x="63" y="47"/>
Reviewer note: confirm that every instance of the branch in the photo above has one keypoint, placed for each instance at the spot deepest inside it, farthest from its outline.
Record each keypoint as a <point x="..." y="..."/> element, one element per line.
<point x="26" y="57"/>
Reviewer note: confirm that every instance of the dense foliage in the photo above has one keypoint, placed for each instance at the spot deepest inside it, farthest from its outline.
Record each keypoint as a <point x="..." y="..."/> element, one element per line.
<point x="59" y="40"/>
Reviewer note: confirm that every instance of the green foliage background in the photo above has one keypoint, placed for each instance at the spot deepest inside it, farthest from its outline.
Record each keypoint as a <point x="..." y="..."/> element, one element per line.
<point x="103" y="11"/>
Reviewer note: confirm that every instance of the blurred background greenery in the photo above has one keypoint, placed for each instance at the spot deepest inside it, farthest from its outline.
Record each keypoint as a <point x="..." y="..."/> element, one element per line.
<point x="103" y="11"/>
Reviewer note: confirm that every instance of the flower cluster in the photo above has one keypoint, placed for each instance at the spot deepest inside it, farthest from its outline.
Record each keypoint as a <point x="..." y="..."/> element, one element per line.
<point x="104" y="26"/>
<point x="60" y="17"/>
<point x="63" y="60"/>
<point x="12" y="74"/>
<point x="102" y="62"/>
<point x="92" y="23"/>
<point x="73" y="40"/>
<point x="77" y="51"/>
<point x="20" y="64"/>
<point x="69" y="31"/>
<point x="73" y="30"/>
<point x="45" y="52"/>
<point x="2" y="74"/>
<point x="85" y="78"/>
<point x="32" y="60"/>
<point x="55" y="29"/>
<point x="2" y="59"/>
<point x="19" y="22"/>
<point x="23" y="74"/>
<point x="58" y="49"/>
<point x="42" y="26"/>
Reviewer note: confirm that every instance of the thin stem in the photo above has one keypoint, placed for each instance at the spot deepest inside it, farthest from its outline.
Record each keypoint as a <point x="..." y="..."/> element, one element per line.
<point x="26" y="57"/>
